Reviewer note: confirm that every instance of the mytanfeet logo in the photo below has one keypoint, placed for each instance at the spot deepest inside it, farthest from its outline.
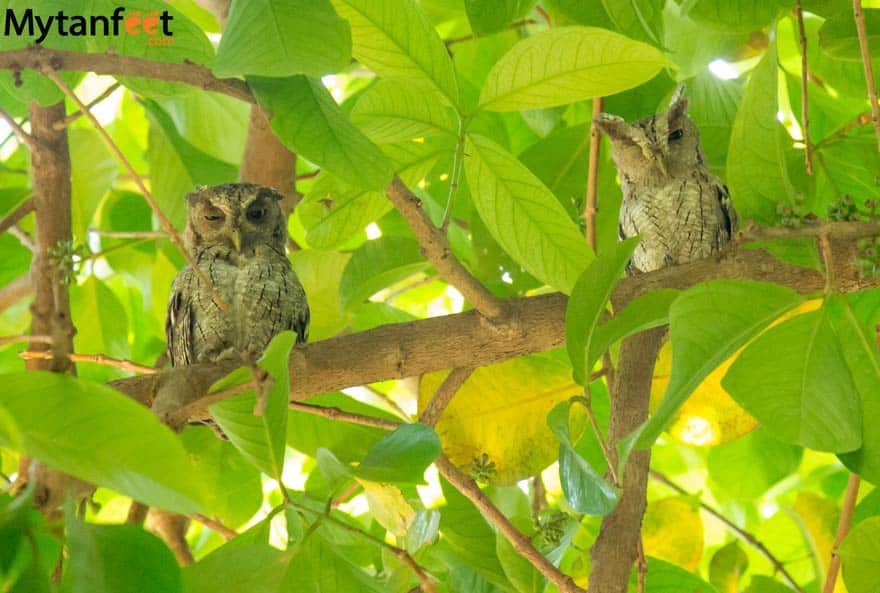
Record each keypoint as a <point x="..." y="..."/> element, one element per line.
<point x="154" y="25"/>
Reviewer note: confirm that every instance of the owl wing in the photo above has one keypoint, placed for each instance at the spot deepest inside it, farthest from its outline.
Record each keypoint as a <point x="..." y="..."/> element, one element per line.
<point x="180" y="322"/>
<point x="731" y="219"/>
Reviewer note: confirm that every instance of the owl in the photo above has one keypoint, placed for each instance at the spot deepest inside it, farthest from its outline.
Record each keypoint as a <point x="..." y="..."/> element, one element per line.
<point x="670" y="197"/>
<point x="236" y="234"/>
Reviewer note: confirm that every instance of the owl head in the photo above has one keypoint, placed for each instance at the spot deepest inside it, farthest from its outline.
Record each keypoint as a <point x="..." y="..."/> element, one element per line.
<point x="238" y="216"/>
<point x="666" y="145"/>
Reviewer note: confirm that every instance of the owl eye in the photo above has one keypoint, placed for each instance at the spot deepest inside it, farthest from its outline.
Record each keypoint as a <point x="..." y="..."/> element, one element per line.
<point x="256" y="214"/>
<point x="214" y="217"/>
<point x="676" y="135"/>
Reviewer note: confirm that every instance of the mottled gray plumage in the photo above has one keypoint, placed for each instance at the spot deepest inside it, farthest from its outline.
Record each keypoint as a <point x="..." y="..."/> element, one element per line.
<point x="671" y="199"/>
<point x="236" y="233"/>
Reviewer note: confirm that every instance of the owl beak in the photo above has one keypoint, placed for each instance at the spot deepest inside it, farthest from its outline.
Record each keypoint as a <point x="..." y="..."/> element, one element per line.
<point x="236" y="240"/>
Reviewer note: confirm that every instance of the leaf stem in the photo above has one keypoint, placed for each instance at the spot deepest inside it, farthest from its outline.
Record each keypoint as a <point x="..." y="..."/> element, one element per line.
<point x="457" y="166"/>
<point x="846" y="513"/>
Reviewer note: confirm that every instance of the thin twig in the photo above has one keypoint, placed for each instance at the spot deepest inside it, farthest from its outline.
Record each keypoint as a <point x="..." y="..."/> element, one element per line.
<point x="593" y="175"/>
<point x="444" y="394"/>
<point x="743" y="534"/>
<point x="215" y="525"/>
<point x="426" y="581"/>
<point x="389" y="402"/>
<point x="13" y="218"/>
<point x="25" y="239"/>
<point x="309" y="175"/>
<point x="130" y="234"/>
<point x="436" y="249"/>
<point x="125" y="365"/>
<point x="19" y="132"/>
<point x="457" y="166"/>
<point x="403" y="289"/>
<point x="517" y="539"/>
<point x="50" y="73"/>
<point x="6" y="340"/>
<point x="597" y="430"/>
<point x="869" y="69"/>
<point x="805" y="114"/>
<point x="336" y="414"/>
<point x="60" y="125"/>
<point x="846" y="513"/>
<point x="514" y="25"/>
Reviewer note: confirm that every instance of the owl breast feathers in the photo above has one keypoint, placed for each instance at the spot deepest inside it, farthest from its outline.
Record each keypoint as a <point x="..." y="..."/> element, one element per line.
<point x="671" y="199"/>
<point x="236" y="233"/>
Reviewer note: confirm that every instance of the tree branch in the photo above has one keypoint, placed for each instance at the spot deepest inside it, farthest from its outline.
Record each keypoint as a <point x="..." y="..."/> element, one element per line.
<point x="37" y="57"/>
<point x="15" y="291"/>
<point x="859" y="17"/>
<point x="593" y="175"/>
<point x="13" y="218"/>
<point x="444" y="394"/>
<point x="19" y="132"/>
<point x="436" y="250"/>
<point x="535" y="324"/>
<point x="805" y="80"/>
<point x="843" y="525"/>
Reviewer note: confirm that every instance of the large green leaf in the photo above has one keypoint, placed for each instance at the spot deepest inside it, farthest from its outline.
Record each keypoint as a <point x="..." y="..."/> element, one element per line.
<point x="568" y="64"/>
<point x="394" y="38"/>
<point x="107" y="329"/>
<point x="261" y="439"/>
<point x="394" y="110"/>
<point x="670" y="578"/>
<point x="335" y="214"/>
<point x="643" y="312"/>
<point x="251" y="567"/>
<point x="319" y="567"/>
<point x="587" y="304"/>
<point x="309" y="122"/>
<point x="741" y="16"/>
<point x="639" y="19"/>
<point x="860" y="555"/>
<point x="282" y="38"/>
<point x="795" y="381"/>
<point x="213" y="123"/>
<point x="112" y="558"/>
<point x="402" y="456"/>
<point x="766" y="460"/>
<point x="376" y="265"/>
<point x="92" y="173"/>
<point x="756" y="170"/>
<point x="491" y="16"/>
<point x="524" y="216"/>
<point x="708" y="323"/>
<point x="95" y="433"/>
<point x="838" y="37"/>
<point x="584" y="488"/>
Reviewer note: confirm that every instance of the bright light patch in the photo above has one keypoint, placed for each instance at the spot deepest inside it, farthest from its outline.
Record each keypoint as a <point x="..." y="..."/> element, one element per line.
<point x="456" y="298"/>
<point x="334" y="85"/>
<point x="768" y="509"/>
<point x="697" y="431"/>
<point x="723" y="69"/>
<point x="373" y="231"/>
<point x="356" y="506"/>
<point x="506" y="278"/>
<point x="444" y="176"/>
<point x="418" y="140"/>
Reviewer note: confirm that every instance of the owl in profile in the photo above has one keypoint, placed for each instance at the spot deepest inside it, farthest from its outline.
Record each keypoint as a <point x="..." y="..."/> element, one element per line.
<point x="671" y="199"/>
<point x="236" y="233"/>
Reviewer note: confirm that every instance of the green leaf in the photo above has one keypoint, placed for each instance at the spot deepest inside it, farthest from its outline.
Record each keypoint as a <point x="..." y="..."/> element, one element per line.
<point x="524" y="216"/>
<point x="568" y="64"/>
<point x="491" y="16"/>
<point x="234" y="484"/>
<point x="261" y="439"/>
<point x="213" y="123"/>
<point x="319" y="567"/>
<point x="860" y="555"/>
<point x="639" y="19"/>
<point x="60" y="417"/>
<point x="112" y="558"/>
<point x="309" y="122"/>
<point x="282" y="38"/>
<point x="764" y="584"/>
<point x="255" y="568"/>
<point x="727" y="567"/>
<point x="423" y="531"/>
<point x="669" y="578"/>
<point x="335" y="215"/>
<point x="376" y="265"/>
<point x="743" y="15"/>
<point x="643" y="312"/>
<point x="523" y="576"/>
<point x="396" y="39"/>
<point x="838" y="37"/>
<point x="92" y="174"/>
<point x="335" y="473"/>
<point x="708" y="323"/>
<point x="756" y="170"/>
<point x="712" y="105"/>
<point x="402" y="456"/>
<point x="176" y="166"/>
<point x="766" y="459"/>
<point x="856" y="323"/>
<point x="795" y="381"/>
<point x="396" y="110"/>
<point x="107" y="329"/>
<point x="585" y="490"/>
<point x="587" y="304"/>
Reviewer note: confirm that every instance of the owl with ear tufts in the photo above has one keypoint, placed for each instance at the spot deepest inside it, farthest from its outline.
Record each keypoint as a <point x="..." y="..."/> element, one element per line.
<point x="671" y="199"/>
<point x="237" y="235"/>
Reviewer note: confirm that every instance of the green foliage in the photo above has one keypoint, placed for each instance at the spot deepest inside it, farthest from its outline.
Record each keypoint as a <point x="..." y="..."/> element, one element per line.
<point x="362" y="90"/>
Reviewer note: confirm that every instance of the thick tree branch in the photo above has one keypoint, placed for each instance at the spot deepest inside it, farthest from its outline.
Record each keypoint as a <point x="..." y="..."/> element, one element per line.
<point x="436" y="250"/>
<point x="534" y="324"/>
<point x="37" y="57"/>
<point x="268" y="162"/>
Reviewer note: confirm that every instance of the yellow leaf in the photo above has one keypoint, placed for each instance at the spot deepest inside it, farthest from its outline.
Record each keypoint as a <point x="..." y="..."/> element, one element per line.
<point x="389" y="507"/>
<point x="501" y="410"/>
<point x="673" y="531"/>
